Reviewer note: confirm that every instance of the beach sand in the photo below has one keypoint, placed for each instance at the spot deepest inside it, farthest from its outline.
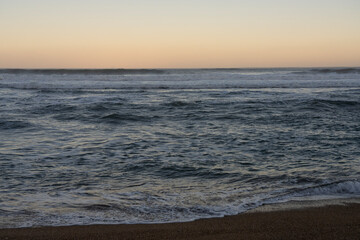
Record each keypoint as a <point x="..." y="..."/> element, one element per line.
<point x="327" y="222"/>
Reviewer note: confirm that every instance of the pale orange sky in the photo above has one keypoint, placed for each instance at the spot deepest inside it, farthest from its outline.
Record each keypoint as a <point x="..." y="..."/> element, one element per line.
<point x="179" y="34"/>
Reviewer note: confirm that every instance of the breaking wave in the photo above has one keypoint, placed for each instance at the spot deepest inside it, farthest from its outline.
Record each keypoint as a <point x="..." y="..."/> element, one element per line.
<point x="338" y="188"/>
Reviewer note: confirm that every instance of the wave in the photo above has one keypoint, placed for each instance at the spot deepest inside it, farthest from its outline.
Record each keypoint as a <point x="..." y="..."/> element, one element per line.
<point x="144" y="86"/>
<point x="105" y="106"/>
<point x="116" y="117"/>
<point x="177" y="104"/>
<point x="98" y="207"/>
<point x="336" y="103"/>
<point x="110" y="118"/>
<point x="7" y="124"/>
<point x="173" y="171"/>
<point x="330" y="70"/>
<point x="154" y="208"/>
<point x="118" y="110"/>
<point x="147" y="79"/>
<point x="337" y="188"/>
<point x="340" y="70"/>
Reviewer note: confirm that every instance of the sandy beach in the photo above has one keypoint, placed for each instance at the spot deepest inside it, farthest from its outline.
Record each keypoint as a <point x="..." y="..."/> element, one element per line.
<point x="327" y="222"/>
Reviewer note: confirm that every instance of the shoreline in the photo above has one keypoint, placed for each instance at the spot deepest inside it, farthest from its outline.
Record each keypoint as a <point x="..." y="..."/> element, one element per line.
<point x="323" y="219"/>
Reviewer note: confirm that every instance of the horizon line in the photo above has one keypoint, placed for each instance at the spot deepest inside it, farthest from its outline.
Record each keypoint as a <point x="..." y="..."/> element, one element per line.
<point x="175" y="68"/>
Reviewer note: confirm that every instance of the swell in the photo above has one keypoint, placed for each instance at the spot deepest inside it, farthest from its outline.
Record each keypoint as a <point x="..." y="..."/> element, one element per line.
<point x="118" y="117"/>
<point x="337" y="70"/>
<point x="329" y="70"/>
<point x="14" y="124"/>
<point x="337" y="103"/>
<point x="118" y="111"/>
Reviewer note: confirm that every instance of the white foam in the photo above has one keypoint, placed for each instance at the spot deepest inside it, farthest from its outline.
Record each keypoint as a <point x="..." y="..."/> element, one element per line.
<point x="176" y="208"/>
<point x="305" y="203"/>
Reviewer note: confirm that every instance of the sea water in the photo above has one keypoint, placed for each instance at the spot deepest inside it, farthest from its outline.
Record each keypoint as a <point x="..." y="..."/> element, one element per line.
<point x="169" y="145"/>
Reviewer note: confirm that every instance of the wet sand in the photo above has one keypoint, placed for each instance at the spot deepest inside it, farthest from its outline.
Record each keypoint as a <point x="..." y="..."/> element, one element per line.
<point x="328" y="222"/>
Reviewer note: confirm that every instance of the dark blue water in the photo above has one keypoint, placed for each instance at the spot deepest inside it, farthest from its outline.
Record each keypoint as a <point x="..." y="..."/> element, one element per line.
<point x="173" y="145"/>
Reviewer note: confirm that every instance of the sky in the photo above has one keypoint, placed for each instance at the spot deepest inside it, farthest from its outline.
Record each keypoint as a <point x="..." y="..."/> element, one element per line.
<point x="179" y="34"/>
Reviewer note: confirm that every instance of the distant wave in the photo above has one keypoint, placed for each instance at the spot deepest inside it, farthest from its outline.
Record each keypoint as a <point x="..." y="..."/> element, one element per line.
<point x="82" y="71"/>
<point x="143" y="79"/>
<point x="152" y="85"/>
<point x="330" y="70"/>
<point x="334" y="70"/>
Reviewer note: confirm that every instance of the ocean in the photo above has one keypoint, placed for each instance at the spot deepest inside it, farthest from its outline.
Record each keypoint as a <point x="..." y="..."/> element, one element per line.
<point x="108" y="146"/>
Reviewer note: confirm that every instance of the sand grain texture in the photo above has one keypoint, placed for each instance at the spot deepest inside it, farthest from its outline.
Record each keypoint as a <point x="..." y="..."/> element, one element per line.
<point x="331" y="222"/>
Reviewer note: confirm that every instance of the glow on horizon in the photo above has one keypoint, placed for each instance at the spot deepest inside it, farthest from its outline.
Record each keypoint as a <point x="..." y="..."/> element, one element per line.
<point x="178" y="34"/>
